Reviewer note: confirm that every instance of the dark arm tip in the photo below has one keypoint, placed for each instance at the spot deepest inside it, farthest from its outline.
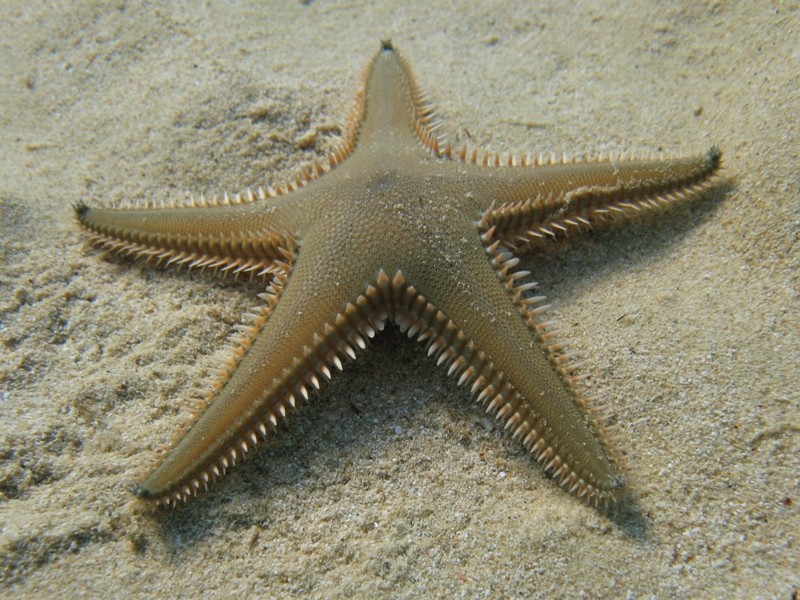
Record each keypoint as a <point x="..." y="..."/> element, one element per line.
<point x="80" y="210"/>
<point x="714" y="157"/>
<point x="142" y="493"/>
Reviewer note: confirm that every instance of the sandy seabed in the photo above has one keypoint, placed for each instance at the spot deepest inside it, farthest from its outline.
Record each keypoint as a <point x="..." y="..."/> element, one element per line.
<point x="392" y="483"/>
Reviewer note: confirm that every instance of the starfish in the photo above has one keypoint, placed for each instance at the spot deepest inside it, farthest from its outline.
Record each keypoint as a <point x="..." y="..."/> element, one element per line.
<point x="396" y="225"/>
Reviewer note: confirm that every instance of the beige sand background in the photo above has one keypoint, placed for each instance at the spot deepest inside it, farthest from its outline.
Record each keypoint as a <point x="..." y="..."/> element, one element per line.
<point x="392" y="483"/>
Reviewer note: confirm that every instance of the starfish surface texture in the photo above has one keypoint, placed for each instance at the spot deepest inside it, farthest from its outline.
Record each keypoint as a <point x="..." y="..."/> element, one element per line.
<point x="396" y="226"/>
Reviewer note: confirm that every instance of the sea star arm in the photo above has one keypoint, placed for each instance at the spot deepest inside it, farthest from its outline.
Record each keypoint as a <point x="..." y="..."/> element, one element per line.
<point x="532" y="204"/>
<point x="241" y="235"/>
<point x="478" y="319"/>
<point x="283" y="352"/>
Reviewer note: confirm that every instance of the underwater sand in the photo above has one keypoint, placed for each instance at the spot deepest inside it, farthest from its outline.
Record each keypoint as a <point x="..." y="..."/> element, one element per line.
<point x="392" y="483"/>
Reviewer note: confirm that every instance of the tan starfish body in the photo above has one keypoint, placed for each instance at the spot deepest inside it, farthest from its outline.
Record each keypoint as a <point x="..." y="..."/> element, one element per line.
<point x="396" y="226"/>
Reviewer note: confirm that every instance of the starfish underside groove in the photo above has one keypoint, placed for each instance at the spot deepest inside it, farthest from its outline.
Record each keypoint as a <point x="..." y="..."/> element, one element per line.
<point x="396" y="226"/>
